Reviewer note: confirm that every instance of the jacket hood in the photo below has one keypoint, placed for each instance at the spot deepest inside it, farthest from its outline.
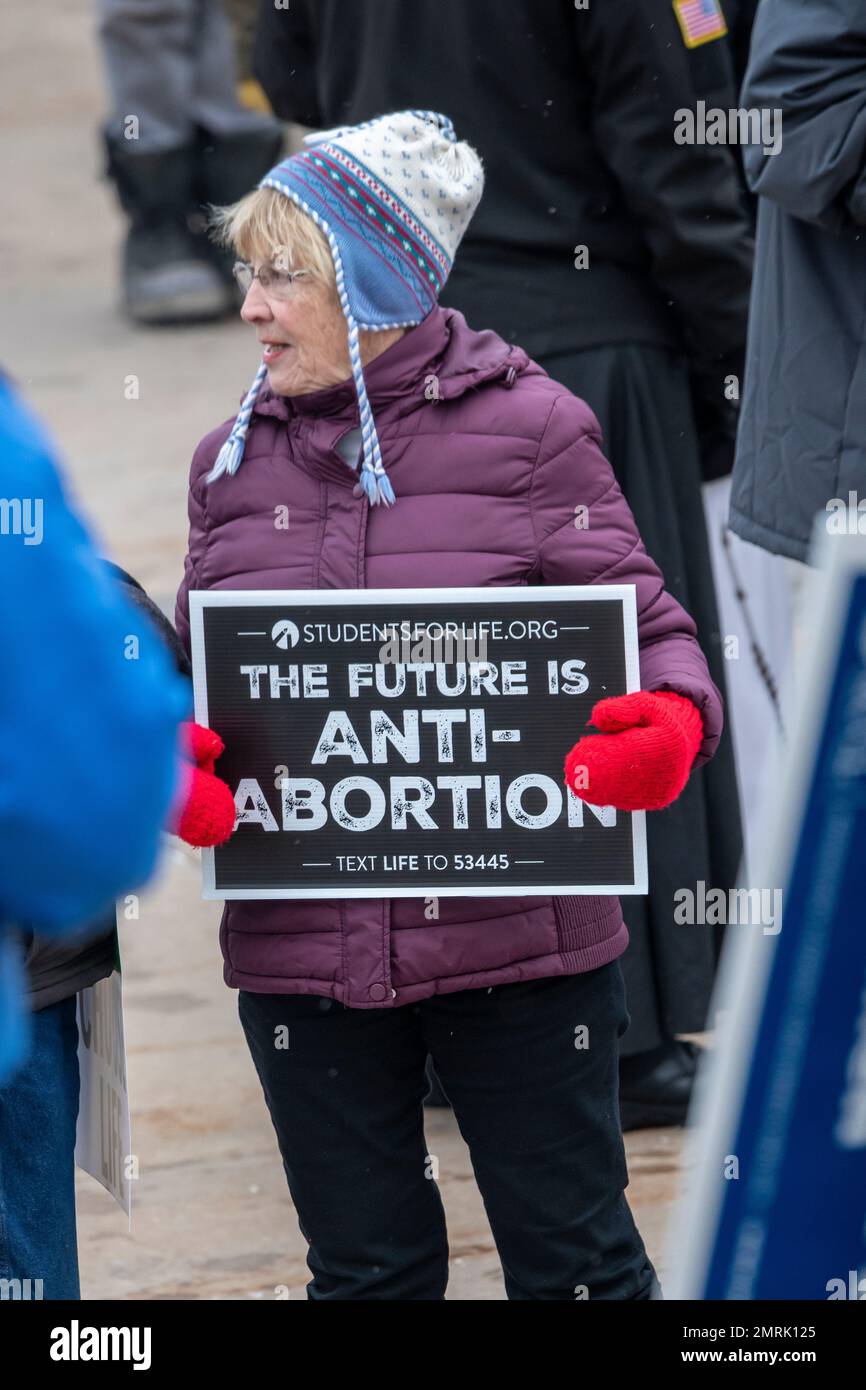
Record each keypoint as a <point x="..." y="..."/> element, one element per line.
<point x="442" y="358"/>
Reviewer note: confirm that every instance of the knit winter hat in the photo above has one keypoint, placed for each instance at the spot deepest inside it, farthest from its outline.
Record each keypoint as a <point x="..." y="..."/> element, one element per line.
<point x="394" y="197"/>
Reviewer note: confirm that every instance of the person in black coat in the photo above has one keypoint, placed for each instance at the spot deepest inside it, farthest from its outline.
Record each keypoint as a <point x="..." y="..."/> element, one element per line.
<point x="621" y="261"/>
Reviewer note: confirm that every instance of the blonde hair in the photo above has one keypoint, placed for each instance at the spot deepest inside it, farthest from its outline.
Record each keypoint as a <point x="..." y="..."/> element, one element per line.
<point x="267" y="226"/>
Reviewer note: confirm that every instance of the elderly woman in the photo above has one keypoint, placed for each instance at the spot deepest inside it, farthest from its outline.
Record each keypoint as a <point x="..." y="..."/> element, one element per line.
<point x="414" y="451"/>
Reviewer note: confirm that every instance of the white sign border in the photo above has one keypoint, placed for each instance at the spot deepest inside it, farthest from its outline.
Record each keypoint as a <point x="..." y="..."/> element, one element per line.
<point x="199" y="599"/>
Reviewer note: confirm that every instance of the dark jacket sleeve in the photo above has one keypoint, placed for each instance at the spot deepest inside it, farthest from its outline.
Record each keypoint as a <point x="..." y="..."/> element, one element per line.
<point x="809" y="62"/>
<point x="284" y="61"/>
<point x="571" y="468"/>
<point x="685" y="197"/>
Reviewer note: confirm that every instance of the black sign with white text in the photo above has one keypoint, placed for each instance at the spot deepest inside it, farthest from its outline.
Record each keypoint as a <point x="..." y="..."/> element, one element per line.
<point x="392" y="744"/>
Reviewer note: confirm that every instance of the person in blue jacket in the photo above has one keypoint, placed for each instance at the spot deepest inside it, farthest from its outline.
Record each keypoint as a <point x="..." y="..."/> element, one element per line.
<point x="90" y="706"/>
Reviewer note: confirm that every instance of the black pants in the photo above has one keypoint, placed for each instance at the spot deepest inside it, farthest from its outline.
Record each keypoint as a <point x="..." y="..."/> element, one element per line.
<point x="531" y="1072"/>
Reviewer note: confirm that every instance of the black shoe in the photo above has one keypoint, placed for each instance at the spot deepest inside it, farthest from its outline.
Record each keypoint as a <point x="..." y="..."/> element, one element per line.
<point x="167" y="278"/>
<point x="655" y="1087"/>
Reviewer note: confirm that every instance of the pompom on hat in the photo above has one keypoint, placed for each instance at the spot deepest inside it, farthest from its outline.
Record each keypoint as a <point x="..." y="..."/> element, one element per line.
<point x="393" y="197"/>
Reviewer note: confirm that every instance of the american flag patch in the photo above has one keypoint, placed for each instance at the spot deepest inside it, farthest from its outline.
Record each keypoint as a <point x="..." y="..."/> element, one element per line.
<point x="700" y="21"/>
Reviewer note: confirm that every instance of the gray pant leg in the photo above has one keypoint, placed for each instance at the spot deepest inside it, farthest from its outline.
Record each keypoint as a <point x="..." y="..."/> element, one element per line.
<point x="170" y="64"/>
<point x="215" y="103"/>
<point x="149" y="53"/>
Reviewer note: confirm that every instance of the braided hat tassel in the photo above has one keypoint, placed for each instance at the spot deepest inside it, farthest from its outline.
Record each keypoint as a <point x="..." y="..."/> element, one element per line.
<point x="228" y="460"/>
<point x="374" y="479"/>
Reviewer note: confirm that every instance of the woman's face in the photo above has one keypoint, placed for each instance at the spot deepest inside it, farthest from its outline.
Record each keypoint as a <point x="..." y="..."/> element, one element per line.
<point x="303" y="335"/>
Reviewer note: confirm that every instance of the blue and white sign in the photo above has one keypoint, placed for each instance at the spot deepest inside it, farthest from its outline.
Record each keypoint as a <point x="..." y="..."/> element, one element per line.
<point x="777" y="1209"/>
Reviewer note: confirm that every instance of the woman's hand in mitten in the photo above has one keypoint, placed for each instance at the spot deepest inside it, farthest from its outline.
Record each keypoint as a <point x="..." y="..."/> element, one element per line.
<point x="642" y="757"/>
<point x="208" y="815"/>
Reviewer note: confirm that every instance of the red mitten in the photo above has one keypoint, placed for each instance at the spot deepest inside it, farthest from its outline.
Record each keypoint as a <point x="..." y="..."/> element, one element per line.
<point x="208" y="815"/>
<point x="204" y="745"/>
<point x="644" y="759"/>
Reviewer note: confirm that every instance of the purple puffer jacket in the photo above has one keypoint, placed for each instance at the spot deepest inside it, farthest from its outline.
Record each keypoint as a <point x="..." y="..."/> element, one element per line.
<point x="487" y="479"/>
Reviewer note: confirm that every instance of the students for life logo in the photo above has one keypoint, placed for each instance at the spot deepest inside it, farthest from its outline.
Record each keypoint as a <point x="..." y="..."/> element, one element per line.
<point x="700" y="21"/>
<point x="285" y="634"/>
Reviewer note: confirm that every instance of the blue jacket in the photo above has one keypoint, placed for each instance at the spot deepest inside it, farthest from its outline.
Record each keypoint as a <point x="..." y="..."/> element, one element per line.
<point x="89" y="709"/>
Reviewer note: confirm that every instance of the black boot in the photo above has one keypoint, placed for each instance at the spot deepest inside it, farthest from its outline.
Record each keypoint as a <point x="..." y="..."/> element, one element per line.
<point x="655" y="1087"/>
<point x="166" y="277"/>
<point x="228" y="167"/>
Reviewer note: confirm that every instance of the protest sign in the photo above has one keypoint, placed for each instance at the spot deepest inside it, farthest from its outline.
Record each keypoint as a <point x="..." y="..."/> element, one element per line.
<point x="776" y="1207"/>
<point x="103" y="1139"/>
<point x="393" y="744"/>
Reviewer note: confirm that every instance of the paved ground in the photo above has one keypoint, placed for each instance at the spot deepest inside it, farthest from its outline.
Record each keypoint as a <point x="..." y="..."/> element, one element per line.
<point x="211" y="1216"/>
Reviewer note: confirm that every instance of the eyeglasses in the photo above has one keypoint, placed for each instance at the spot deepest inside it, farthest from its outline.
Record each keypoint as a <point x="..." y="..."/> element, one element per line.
<point x="277" y="284"/>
